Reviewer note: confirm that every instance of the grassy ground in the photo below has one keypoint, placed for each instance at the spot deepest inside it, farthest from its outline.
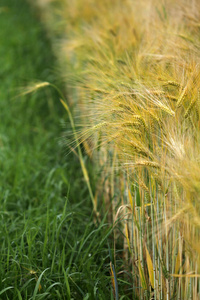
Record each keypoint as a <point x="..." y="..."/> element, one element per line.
<point x="50" y="248"/>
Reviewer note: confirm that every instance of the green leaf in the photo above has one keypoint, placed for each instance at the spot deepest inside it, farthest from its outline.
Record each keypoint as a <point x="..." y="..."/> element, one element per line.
<point x="142" y="277"/>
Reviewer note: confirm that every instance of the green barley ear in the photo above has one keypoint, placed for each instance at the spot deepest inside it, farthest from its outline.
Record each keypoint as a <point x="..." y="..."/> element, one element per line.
<point x="33" y="87"/>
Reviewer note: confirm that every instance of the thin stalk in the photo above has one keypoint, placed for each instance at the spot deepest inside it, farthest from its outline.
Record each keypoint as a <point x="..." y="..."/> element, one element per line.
<point x="167" y="251"/>
<point x="84" y="170"/>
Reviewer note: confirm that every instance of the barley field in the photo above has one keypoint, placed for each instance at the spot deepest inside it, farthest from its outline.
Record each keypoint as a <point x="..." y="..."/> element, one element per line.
<point x="132" y="72"/>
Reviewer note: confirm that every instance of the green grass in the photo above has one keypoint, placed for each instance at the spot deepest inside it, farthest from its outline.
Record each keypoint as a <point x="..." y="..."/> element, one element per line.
<point x="50" y="247"/>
